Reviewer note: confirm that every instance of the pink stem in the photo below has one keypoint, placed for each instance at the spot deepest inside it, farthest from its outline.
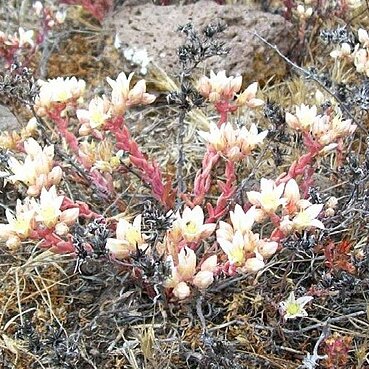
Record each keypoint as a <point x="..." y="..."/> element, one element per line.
<point x="228" y="188"/>
<point x="224" y="107"/>
<point x="150" y="172"/>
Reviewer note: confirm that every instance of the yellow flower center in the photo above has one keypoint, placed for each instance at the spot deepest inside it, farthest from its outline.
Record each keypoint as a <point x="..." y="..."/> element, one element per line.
<point x="293" y="308"/>
<point x="21" y="227"/>
<point x="269" y="201"/>
<point x="97" y="118"/>
<point x="237" y="256"/>
<point x="49" y="215"/>
<point x="62" y="96"/>
<point x="133" y="236"/>
<point x="191" y="228"/>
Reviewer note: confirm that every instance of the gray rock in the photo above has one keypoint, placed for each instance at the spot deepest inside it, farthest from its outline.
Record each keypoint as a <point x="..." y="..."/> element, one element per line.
<point x="153" y="28"/>
<point x="7" y="120"/>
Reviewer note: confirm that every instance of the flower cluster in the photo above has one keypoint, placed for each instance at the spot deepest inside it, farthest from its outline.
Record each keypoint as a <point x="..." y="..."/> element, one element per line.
<point x="58" y="91"/>
<point x="296" y="214"/>
<point x="99" y="156"/>
<point x="325" y="129"/>
<point x="37" y="170"/>
<point x="95" y="117"/>
<point x="13" y="44"/>
<point x="128" y="239"/>
<point x="50" y="16"/>
<point x="190" y="226"/>
<point x="233" y="143"/>
<point x="101" y="109"/>
<point x="123" y="97"/>
<point x="244" y="249"/>
<point x="359" y="54"/>
<point x="219" y="87"/>
<point x="21" y="39"/>
<point x="184" y="272"/>
<point x="33" y="216"/>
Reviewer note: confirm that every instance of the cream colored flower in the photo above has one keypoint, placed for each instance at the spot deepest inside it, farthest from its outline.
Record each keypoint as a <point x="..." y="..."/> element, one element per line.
<point x="60" y="16"/>
<point x="294" y="202"/>
<point x="128" y="238"/>
<point x="203" y="279"/>
<point x="361" y="61"/>
<point x="233" y="143"/>
<point x="181" y="290"/>
<point x="343" y="51"/>
<point x="122" y="97"/>
<point x="242" y="221"/>
<point x="243" y="247"/>
<point x="224" y="139"/>
<point x="22" y="222"/>
<point x="294" y="308"/>
<point x="38" y="7"/>
<point x="59" y="90"/>
<point x="234" y="248"/>
<point x="270" y="196"/>
<point x="303" y="119"/>
<point x="306" y="218"/>
<point x="327" y="129"/>
<point x="340" y="127"/>
<point x="248" y="97"/>
<point x="97" y="113"/>
<point x="26" y="37"/>
<point x="48" y="209"/>
<point x="191" y="225"/>
<point x="253" y="265"/>
<point x="363" y="37"/>
<point x="250" y="139"/>
<point x="184" y="273"/>
<point x="219" y="86"/>
<point x="304" y="13"/>
<point x="37" y="170"/>
<point x="267" y="248"/>
<point x="186" y="264"/>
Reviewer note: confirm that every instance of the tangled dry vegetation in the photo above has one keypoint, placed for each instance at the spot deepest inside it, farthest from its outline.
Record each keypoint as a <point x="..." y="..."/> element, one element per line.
<point x="71" y="298"/>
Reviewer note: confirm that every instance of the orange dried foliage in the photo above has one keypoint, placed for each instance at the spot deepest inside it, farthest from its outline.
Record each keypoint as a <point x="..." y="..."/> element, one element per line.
<point x="91" y="58"/>
<point x="338" y="256"/>
<point x="337" y="348"/>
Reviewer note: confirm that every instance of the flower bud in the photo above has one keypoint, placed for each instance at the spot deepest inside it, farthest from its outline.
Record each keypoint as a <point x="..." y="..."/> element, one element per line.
<point x="332" y="202"/>
<point x="253" y="265"/>
<point x="37" y="6"/>
<point x="13" y="243"/>
<point x="55" y="176"/>
<point x="181" y="291"/>
<point x="61" y="229"/>
<point x="267" y="249"/>
<point x="186" y="263"/>
<point x="69" y="216"/>
<point x="31" y="126"/>
<point x="203" y="279"/>
<point x="210" y="264"/>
